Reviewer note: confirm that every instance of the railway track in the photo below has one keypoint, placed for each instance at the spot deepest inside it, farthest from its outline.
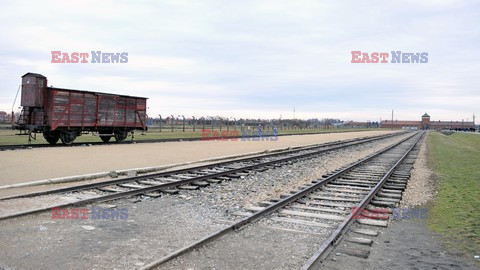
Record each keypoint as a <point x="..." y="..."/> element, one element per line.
<point x="153" y="185"/>
<point x="82" y="144"/>
<point x="377" y="180"/>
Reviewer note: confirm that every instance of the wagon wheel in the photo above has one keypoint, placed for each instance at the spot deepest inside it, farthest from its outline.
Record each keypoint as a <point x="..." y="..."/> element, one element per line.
<point x="51" y="136"/>
<point x="68" y="137"/>
<point x="105" y="138"/>
<point x="120" y="136"/>
<point x="104" y="135"/>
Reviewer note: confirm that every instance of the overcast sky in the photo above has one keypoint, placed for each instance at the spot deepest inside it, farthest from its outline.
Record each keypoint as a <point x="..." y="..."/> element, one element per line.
<point x="254" y="59"/>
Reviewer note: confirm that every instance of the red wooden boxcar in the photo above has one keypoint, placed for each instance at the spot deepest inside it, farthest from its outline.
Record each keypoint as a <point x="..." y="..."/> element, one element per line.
<point x="64" y="113"/>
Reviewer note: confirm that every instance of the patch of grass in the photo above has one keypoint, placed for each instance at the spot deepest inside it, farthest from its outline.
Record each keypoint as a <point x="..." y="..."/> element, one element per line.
<point x="8" y="137"/>
<point x="455" y="212"/>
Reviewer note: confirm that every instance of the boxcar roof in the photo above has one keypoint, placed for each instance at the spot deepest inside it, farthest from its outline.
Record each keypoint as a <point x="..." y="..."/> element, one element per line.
<point x="34" y="75"/>
<point x="92" y="92"/>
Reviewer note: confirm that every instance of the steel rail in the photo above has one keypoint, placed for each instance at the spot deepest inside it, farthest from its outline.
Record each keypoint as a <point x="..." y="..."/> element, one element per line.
<point x="133" y="192"/>
<point x="343" y="144"/>
<point x="270" y="209"/>
<point x="329" y="244"/>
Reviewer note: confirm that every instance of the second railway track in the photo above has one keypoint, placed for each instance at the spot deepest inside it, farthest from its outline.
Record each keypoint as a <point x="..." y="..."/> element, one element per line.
<point x="12" y="147"/>
<point x="153" y="185"/>
<point x="326" y="203"/>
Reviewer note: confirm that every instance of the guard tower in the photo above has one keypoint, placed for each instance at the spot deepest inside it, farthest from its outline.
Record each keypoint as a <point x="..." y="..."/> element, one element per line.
<point x="425" y="121"/>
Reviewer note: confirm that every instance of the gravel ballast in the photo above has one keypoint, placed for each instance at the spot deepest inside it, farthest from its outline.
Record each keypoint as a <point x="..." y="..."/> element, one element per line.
<point x="157" y="227"/>
<point x="421" y="185"/>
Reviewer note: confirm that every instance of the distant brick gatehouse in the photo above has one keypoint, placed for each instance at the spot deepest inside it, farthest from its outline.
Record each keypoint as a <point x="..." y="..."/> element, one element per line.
<point x="425" y="123"/>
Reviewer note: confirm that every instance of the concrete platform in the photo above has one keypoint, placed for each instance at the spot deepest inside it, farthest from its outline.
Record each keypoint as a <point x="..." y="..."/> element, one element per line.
<point x="45" y="163"/>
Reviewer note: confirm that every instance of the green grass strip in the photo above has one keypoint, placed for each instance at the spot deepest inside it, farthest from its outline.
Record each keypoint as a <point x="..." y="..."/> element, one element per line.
<point x="8" y="137"/>
<point x="455" y="212"/>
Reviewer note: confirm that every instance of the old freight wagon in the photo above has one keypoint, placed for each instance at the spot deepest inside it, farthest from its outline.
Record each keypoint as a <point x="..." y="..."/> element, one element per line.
<point x="64" y="114"/>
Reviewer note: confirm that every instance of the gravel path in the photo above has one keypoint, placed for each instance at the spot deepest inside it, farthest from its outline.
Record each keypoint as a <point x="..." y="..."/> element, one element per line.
<point x="421" y="185"/>
<point x="406" y="244"/>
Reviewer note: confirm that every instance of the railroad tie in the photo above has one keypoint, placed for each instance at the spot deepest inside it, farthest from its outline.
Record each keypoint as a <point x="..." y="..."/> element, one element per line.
<point x="200" y="183"/>
<point x="188" y="187"/>
<point x="318" y="209"/>
<point x="379" y="209"/>
<point x="389" y="195"/>
<point x="301" y="222"/>
<point x="345" y="206"/>
<point x="365" y="232"/>
<point x="153" y="195"/>
<point x="386" y="199"/>
<point x="371" y="222"/>
<point x="355" y="252"/>
<point x="392" y="191"/>
<point x="149" y="182"/>
<point x="360" y="240"/>
<point x="334" y="199"/>
<point x="127" y="185"/>
<point x="109" y="189"/>
<point x="213" y="181"/>
<point x="383" y="203"/>
<point x="170" y="191"/>
<point x="312" y="215"/>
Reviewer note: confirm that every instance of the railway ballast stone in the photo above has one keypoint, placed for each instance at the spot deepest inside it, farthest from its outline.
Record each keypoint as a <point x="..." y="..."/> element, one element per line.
<point x="113" y="174"/>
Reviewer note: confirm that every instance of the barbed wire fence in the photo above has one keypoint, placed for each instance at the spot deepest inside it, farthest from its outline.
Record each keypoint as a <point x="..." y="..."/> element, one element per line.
<point x="181" y="123"/>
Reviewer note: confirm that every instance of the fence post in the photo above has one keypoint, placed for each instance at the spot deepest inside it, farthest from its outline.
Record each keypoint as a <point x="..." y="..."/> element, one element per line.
<point x="160" y="123"/>
<point x="183" y="123"/>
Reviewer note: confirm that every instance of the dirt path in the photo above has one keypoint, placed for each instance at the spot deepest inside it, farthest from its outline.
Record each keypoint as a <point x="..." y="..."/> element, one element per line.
<point x="37" y="164"/>
<point x="405" y="244"/>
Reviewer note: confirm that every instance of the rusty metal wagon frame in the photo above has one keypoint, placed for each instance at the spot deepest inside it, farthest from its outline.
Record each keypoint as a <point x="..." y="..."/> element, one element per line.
<point x="61" y="113"/>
